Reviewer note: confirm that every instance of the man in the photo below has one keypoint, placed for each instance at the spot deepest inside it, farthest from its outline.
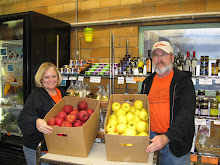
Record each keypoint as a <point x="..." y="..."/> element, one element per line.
<point x="172" y="103"/>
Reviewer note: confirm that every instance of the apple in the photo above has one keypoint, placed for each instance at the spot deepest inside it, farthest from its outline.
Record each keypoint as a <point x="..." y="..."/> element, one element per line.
<point x="112" y="133"/>
<point x="129" y="132"/>
<point x="51" y="121"/>
<point x="136" y="119"/>
<point x="67" y="108"/>
<point x="143" y="115"/>
<point x="111" y="128"/>
<point x="122" y="119"/>
<point x="116" y="106"/>
<point x="71" y="118"/>
<point x="132" y="125"/>
<point x="136" y="113"/>
<point x="83" y="115"/>
<point x="121" y="128"/>
<point x="138" y="104"/>
<point x="143" y="134"/>
<point x="83" y="122"/>
<point x="143" y="109"/>
<point x="112" y="117"/>
<point x="61" y="114"/>
<point x="82" y="105"/>
<point x="126" y="107"/>
<point x="142" y="126"/>
<point x="132" y="110"/>
<point x="90" y="111"/>
<point x="120" y="112"/>
<point x="58" y="121"/>
<point x="129" y="116"/>
<point x="75" y="112"/>
<point x="112" y="121"/>
<point x="66" y="124"/>
<point x="78" y="123"/>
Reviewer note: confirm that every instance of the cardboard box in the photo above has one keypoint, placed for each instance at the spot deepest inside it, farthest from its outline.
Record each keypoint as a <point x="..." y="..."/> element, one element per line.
<point x="117" y="152"/>
<point x="78" y="140"/>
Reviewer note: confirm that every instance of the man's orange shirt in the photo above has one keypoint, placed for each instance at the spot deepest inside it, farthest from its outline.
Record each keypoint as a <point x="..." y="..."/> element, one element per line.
<point x="159" y="104"/>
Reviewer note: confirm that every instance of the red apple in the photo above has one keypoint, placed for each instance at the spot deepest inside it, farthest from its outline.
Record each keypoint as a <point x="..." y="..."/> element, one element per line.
<point x="82" y="105"/>
<point x="75" y="111"/>
<point x="67" y="108"/>
<point x="66" y="124"/>
<point x="83" y="115"/>
<point x="90" y="111"/>
<point x="78" y="123"/>
<point x="83" y="122"/>
<point x="61" y="114"/>
<point x="71" y="118"/>
<point x="58" y="121"/>
<point x="51" y="121"/>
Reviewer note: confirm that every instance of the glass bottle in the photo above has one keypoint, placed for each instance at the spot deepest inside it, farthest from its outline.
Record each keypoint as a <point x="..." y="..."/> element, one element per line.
<point x="194" y="64"/>
<point x="187" y="63"/>
<point x="179" y="61"/>
<point x="149" y="62"/>
<point x="141" y="65"/>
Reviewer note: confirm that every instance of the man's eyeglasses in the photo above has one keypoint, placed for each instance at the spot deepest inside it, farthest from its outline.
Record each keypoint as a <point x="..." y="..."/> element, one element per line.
<point x="163" y="55"/>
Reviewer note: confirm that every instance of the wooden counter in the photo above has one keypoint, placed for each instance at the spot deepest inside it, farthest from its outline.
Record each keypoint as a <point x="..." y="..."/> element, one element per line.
<point x="97" y="156"/>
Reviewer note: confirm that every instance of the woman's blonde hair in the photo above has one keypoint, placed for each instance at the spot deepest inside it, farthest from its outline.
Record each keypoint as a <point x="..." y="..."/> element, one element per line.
<point x="41" y="70"/>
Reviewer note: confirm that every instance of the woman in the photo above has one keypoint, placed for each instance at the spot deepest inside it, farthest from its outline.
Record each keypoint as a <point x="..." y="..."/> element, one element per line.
<point x="38" y="104"/>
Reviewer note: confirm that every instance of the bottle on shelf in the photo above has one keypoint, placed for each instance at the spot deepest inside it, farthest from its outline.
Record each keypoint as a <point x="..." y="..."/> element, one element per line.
<point x="149" y="62"/>
<point x="187" y="63"/>
<point x="194" y="64"/>
<point x="179" y="61"/>
<point x="141" y="65"/>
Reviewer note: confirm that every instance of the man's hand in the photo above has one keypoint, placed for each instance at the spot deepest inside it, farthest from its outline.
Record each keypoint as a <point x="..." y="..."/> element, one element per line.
<point x="43" y="127"/>
<point x="158" y="142"/>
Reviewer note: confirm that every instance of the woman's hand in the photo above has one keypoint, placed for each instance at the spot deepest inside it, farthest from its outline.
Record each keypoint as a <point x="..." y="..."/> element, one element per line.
<point x="43" y="127"/>
<point x="158" y="142"/>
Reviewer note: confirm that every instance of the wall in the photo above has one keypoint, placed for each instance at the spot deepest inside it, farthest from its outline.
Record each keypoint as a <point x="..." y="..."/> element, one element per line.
<point x="94" y="10"/>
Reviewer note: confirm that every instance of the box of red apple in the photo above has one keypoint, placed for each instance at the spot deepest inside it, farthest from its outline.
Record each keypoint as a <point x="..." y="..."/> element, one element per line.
<point x="75" y="122"/>
<point x="127" y="128"/>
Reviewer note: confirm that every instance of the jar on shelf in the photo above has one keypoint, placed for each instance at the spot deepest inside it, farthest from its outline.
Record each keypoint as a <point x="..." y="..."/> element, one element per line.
<point x="197" y="111"/>
<point x="201" y="93"/>
<point x="204" y="109"/>
<point x="214" y="109"/>
<point x="214" y="69"/>
<point x="204" y="66"/>
<point x="218" y="96"/>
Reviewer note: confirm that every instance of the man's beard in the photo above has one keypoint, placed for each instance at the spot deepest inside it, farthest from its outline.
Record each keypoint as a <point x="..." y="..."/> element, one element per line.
<point x="162" y="70"/>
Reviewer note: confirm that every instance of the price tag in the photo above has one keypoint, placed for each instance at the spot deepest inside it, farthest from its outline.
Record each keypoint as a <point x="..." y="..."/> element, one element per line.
<point x="217" y="122"/>
<point x="205" y="81"/>
<point x="209" y="160"/>
<point x="200" y="121"/>
<point x="80" y="78"/>
<point x="130" y="80"/>
<point x="65" y="77"/>
<point x="193" y="157"/>
<point x="121" y="80"/>
<point x="139" y="79"/>
<point x="217" y="81"/>
<point x="95" y="79"/>
<point x="194" y="81"/>
<point x="72" y="78"/>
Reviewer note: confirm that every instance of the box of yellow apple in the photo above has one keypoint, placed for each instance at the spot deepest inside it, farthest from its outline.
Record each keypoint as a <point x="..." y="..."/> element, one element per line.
<point x="127" y="124"/>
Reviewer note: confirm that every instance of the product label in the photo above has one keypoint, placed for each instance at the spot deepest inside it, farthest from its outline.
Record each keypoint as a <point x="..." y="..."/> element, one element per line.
<point x="204" y="112"/>
<point x="214" y="112"/>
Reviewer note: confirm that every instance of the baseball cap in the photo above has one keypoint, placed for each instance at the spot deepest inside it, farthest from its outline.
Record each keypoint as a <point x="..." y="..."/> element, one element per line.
<point x="164" y="45"/>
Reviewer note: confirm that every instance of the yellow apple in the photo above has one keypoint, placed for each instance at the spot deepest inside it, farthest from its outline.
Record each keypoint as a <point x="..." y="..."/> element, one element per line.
<point x="132" y="125"/>
<point x="111" y="128"/>
<point x="136" y="119"/>
<point x="129" y="144"/>
<point x="130" y="132"/>
<point x="122" y="119"/>
<point x="143" y="115"/>
<point x="120" y="112"/>
<point x="143" y="134"/>
<point x="141" y="126"/>
<point x="126" y="107"/>
<point x="132" y="110"/>
<point x="138" y="104"/>
<point x="143" y="109"/>
<point x="112" y="117"/>
<point x="121" y="128"/>
<point x="112" y="133"/>
<point x="129" y="116"/>
<point x="116" y="106"/>
<point x="112" y="121"/>
<point x="136" y="113"/>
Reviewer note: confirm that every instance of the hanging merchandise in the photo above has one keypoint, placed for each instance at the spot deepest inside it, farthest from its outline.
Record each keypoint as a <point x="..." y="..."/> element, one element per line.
<point x="88" y="33"/>
<point x="98" y="94"/>
<point x="104" y="93"/>
<point x="86" y="90"/>
<point x="71" y="89"/>
<point x="78" y="89"/>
